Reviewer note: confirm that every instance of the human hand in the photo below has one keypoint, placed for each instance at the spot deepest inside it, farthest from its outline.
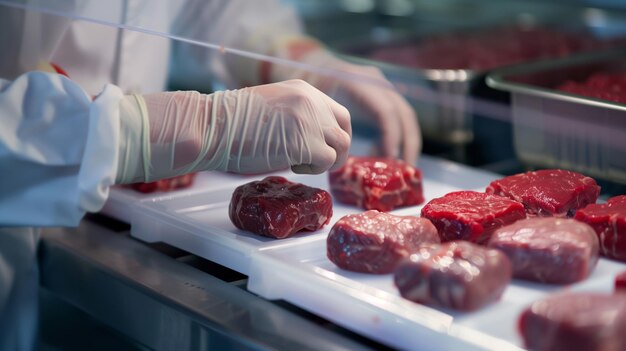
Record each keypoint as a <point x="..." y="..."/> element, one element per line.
<point x="251" y="130"/>
<point x="364" y="90"/>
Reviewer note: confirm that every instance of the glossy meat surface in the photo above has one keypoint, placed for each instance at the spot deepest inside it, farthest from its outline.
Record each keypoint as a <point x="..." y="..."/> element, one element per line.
<point x="609" y="222"/>
<point x="549" y="250"/>
<point x="168" y="184"/>
<point x="457" y="275"/>
<point x="470" y="215"/>
<point x="550" y="192"/>
<point x="375" y="242"/>
<point x="575" y="322"/>
<point x="278" y="208"/>
<point x="377" y="183"/>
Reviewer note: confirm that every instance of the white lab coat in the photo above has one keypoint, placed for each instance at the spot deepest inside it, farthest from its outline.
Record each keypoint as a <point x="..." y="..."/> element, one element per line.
<point x="58" y="136"/>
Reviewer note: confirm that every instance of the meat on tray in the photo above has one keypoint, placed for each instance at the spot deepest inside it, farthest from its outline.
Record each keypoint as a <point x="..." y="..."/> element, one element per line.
<point x="167" y="184"/>
<point x="375" y="183"/>
<point x="457" y="275"/>
<point x="277" y="208"/>
<point x="609" y="222"/>
<point x="471" y="215"/>
<point x="549" y="250"/>
<point x="375" y="242"/>
<point x="575" y="322"/>
<point x="549" y="192"/>
<point x="604" y="86"/>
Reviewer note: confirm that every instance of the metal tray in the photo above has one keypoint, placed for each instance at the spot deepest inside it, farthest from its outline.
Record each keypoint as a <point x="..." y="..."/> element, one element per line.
<point x="447" y="101"/>
<point x="552" y="128"/>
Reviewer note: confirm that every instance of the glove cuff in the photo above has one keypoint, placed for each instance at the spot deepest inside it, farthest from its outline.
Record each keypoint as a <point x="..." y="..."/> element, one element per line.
<point x="134" y="144"/>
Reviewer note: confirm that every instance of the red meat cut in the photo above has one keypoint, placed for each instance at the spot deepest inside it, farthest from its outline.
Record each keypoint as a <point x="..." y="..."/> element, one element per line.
<point x="458" y="275"/>
<point x="377" y="183"/>
<point x="277" y="208"/>
<point x="167" y="184"/>
<point x="375" y="242"/>
<point x="470" y="215"/>
<point x="550" y="192"/>
<point x="609" y="222"/>
<point x="575" y="322"/>
<point x="549" y="250"/>
<point x="620" y="282"/>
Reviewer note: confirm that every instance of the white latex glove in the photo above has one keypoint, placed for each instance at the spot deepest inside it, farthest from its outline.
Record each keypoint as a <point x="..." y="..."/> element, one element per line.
<point x="378" y="104"/>
<point x="251" y="130"/>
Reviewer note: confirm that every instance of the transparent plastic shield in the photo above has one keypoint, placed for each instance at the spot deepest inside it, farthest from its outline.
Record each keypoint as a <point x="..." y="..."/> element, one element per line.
<point x="374" y="57"/>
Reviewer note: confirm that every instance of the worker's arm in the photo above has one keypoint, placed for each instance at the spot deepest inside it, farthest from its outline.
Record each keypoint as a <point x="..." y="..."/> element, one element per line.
<point x="58" y="150"/>
<point x="272" y="28"/>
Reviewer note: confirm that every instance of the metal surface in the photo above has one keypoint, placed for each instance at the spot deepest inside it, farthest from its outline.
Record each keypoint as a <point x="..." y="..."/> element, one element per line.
<point x="562" y="130"/>
<point x="164" y="304"/>
<point x="539" y="78"/>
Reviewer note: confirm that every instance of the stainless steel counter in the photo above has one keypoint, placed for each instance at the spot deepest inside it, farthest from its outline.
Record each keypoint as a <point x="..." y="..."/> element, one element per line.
<point x="162" y="298"/>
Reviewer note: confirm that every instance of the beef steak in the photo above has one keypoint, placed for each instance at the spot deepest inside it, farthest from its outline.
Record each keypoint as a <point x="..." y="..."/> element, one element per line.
<point x="470" y="215"/>
<point x="550" y="192"/>
<point x="609" y="222"/>
<point x="575" y="322"/>
<point x="278" y="208"/>
<point x="548" y="250"/>
<point x="458" y="275"/>
<point x="377" y="183"/>
<point x="374" y="242"/>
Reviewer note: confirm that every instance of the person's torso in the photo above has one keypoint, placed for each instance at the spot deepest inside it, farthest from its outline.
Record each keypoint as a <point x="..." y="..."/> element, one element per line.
<point x="92" y="54"/>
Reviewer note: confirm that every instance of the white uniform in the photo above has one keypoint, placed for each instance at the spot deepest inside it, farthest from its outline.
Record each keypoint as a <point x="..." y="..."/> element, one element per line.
<point x="58" y="136"/>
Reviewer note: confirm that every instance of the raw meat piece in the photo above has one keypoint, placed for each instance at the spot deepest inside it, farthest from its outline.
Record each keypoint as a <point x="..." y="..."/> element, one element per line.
<point x="575" y="322"/>
<point x="470" y="215"/>
<point x="375" y="242"/>
<point x="620" y="282"/>
<point x="377" y="183"/>
<point x="458" y="275"/>
<point x="549" y="192"/>
<point x="278" y="208"/>
<point x="548" y="250"/>
<point x="609" y="222"/>
<point x="168" y="184"/>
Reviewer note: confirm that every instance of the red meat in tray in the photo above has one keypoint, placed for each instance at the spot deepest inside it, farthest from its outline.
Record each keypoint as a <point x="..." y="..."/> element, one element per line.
<point x="457" y="275"/>
<point x="550" y="192"/>
<point x="377" y="183"/>
<point x="549" y="250"/>
<point x="575" y="322"/>
<point x="609" y="222"/>
<point x="470" y="215"/>
<point x="375" y="242"/>
<point x="277" y="208"/>
<point x="609" y="86"/>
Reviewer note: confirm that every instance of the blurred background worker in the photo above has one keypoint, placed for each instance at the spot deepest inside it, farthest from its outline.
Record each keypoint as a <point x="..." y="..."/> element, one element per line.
<point x="64" y="142"/>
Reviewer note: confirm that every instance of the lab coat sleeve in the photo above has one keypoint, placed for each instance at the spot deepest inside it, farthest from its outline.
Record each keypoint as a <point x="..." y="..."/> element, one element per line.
<point x="240" y="24"/>
<point x="58" y="150"/>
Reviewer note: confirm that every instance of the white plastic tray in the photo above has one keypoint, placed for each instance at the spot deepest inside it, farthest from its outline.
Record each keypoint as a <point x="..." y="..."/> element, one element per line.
<point x="122" y="201"/>
<point x="300" y="273"/>
<point x="197" y="221"/>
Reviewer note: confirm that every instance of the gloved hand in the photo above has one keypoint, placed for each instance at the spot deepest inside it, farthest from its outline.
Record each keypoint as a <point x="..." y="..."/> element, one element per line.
<point x="251" y="130"/>
<point x="371" y="99"/>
